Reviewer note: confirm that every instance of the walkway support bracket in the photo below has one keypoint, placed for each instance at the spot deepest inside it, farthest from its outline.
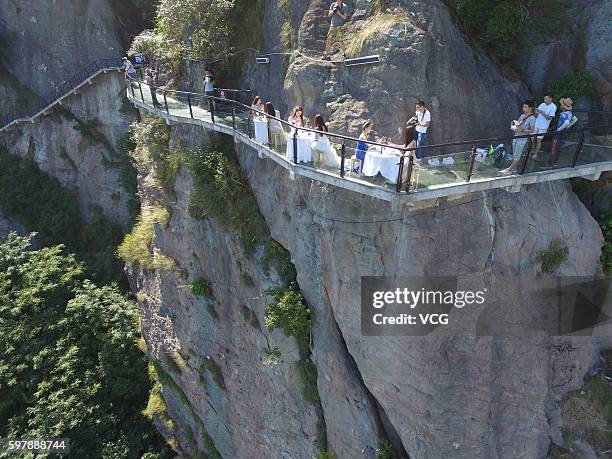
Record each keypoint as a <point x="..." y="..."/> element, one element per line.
<point x="409" y="174"/>
<point x="578" y="149"/>
<point x="400" y="172"/>
<point x="211" y="108"/>
<point x="471" y="169"/>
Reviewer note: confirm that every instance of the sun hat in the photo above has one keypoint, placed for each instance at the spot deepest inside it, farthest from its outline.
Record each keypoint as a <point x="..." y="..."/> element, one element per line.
<point x="566" y="103"/>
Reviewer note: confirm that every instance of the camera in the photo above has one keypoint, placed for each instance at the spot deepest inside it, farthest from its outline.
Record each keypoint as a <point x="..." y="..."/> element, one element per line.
<point x="335" y="8"/>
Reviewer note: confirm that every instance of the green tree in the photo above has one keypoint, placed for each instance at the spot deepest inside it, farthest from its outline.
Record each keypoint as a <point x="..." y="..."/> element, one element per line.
<point x="42" y="204"/>
<point x="68" y="363"/>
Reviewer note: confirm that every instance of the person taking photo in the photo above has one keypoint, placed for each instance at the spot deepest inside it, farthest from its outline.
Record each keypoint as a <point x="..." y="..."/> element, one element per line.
<point x="338" y="12"/>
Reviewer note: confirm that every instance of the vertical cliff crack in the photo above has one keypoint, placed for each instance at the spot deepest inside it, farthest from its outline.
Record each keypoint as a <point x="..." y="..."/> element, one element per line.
<point x="383" y="422"/>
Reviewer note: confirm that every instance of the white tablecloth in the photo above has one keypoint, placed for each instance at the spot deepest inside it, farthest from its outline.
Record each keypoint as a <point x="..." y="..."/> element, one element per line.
<point x="386" y="163"/>
<point x="304" y="150"/>
<point x="261" y="130"/>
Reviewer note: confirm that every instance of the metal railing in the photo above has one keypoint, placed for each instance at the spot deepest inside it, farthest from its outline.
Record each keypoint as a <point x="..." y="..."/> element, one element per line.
<point x="70" y="84"/>
<point x="409" y="158"/>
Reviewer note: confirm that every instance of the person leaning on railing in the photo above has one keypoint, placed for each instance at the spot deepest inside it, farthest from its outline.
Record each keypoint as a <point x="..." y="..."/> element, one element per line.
<point x="521" y="127"/>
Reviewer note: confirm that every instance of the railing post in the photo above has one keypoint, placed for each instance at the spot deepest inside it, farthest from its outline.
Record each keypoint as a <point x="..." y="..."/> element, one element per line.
<point x="409" y="174"/>
<point x="295" y="146"/>
<point x="211" y="108"/>
<point x="140" y="88"/>
<point x="132" y="88"/>
<point x="342" y="159"/>
<point x="472" y="160"/>
<point x="166" y="103"/>
<point x="189" y="102"/>
<point x="398" y="185"/>
<point x="233" y="117"/>
<point x="578" y="149"/>
<point x="523" y="165"/>
<point x="269" y="132"/>
<point x="249" y="131"/>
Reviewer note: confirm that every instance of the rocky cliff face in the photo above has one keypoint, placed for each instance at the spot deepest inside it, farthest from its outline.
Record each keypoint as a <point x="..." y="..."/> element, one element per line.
<point x="456" y="397"/>
<point x="44" y="44"/>
<point x="460" y="397"/>
<point x="78" y="143"/>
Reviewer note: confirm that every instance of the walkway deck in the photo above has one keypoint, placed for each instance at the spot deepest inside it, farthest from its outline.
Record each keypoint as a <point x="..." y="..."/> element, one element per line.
<point x="427" y="182"/>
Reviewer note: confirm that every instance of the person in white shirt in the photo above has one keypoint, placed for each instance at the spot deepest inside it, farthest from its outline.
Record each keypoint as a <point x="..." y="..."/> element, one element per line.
<point x="423" y="118"/>
<point x="128" y="69"/>
<point x="545" y="111"/>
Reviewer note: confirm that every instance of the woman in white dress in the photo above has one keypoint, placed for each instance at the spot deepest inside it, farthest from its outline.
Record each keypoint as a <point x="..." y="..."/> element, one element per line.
<point x="297" y="117"/>
<point x="322" y="144"/>
<point x="258" y="104"/>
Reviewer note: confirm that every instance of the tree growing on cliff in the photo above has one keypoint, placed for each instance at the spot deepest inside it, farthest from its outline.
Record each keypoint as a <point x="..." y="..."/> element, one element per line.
<point x="69" y="367"/>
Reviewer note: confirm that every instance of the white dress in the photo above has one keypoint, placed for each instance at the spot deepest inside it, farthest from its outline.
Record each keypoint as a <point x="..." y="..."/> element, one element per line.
<point x="322" y="144"/>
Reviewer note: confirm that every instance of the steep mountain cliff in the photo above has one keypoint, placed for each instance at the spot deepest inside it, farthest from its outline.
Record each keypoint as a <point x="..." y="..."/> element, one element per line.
<point x="248" y="280"/>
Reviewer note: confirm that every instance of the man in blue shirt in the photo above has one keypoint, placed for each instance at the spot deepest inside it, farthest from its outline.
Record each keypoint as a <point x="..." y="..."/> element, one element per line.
<point x="564" y="122"/>
<point x="338" y="12"/>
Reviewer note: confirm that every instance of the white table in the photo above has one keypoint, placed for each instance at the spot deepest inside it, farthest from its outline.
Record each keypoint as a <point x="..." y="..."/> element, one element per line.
<point x="385" y="162"/>
<point x="261" y="130"/>
<point x="304" y="151"/>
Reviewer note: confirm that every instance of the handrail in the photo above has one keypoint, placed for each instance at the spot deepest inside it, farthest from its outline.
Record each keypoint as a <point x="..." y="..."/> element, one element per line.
<point x="66" y="87"/>
<point x="369" y="142"/>
<point x="599" y="112"/>
<point x="405" y="171"/>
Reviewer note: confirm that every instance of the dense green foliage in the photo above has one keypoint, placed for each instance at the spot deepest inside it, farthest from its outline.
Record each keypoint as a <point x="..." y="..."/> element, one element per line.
<point x="202" y="29"/>
<point x="42" y="204"/>
<point x="69" y="366"/>
<point x="222" y="192"/>
<point x="605" y="222"/>
<point x="574" y="84"/>
<point x="503" y="27"/>
<point x="276" y="255"/>
<point x="289" y="312"/>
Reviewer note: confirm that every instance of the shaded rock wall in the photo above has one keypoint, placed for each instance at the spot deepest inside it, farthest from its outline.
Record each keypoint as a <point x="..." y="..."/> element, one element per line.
<point x="79" y="156"/>
<point x="48" y="42"/>
<point x="584" y="43"/>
